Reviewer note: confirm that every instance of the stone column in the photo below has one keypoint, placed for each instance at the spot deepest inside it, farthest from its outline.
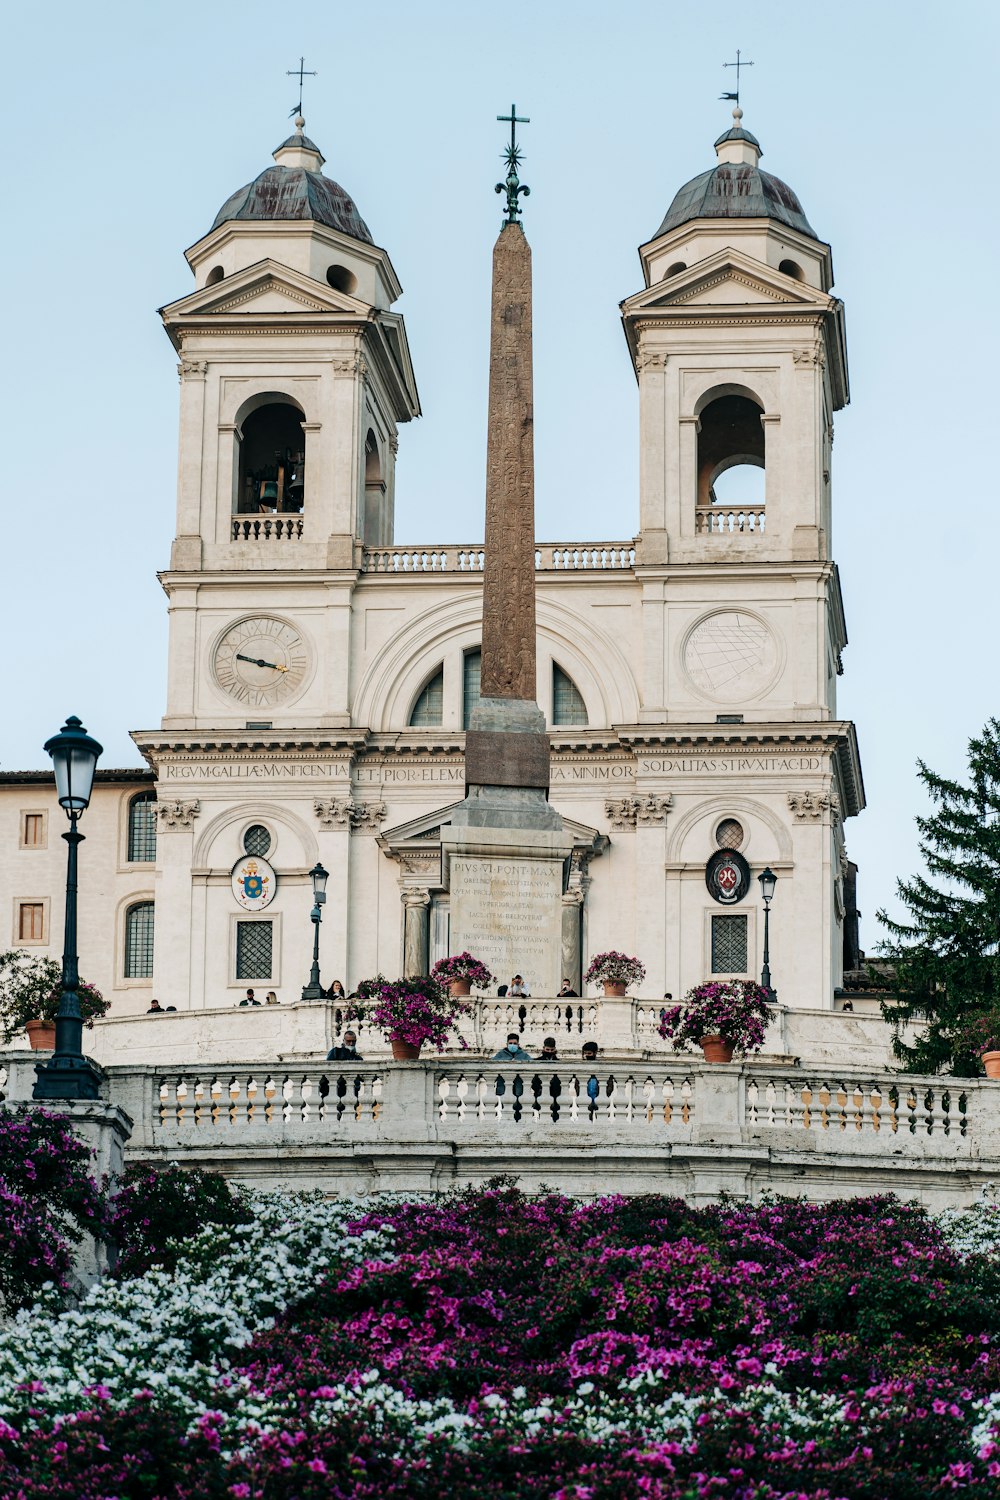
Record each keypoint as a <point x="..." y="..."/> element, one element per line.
<point x="416" y="930"/>
<point x="572" y="939"/>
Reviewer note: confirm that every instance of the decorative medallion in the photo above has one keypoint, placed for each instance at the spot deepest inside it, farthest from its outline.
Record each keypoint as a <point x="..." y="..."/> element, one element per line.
<point x="731" y="656"/>
<point x="254" y="882"/>
<point x="727" y="876"/>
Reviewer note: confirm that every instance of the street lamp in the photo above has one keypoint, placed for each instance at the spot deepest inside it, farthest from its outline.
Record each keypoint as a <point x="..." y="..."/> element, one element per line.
<point x="68" y="1074"/>
<point x="768" y="880"/>
<point x="314" y="990"/>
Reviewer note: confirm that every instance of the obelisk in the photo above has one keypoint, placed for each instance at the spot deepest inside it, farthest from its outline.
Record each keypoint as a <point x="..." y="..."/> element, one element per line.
<point x="504" y="852"/>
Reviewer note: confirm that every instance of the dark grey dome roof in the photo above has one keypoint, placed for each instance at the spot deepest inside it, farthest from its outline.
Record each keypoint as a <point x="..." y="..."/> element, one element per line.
<point x="293" y="193"/>
<point x="736" y="190"/>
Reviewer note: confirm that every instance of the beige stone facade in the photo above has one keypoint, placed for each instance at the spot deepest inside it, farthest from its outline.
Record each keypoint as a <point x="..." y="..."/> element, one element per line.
<point x="320" y="677"/>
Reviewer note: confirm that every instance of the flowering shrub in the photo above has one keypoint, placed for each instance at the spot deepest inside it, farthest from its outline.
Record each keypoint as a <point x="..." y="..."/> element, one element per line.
<point x="495" y="1345"/>
<point x="413" y="1011"/>
<point x="614" y="968"/>
<point x="737" y="1010"/>
<point x="976" y="1035"/>
<point x="158" y="1209"/>
<point x="48" y="1202"/>
<point x="463" y="966"/>
<point x="31" y="989"/>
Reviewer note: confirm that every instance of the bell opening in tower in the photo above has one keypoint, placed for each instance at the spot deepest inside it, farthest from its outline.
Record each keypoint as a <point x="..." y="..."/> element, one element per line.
<point x="731" y="453"/>
<point x="271" y="475"/>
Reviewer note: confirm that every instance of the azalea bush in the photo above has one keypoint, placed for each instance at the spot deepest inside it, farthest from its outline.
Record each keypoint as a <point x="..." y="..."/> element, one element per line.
<point x="614" y="968"/>
<point x="31" y="989"/>
<point x="463" y="966"/>
<point x="158" y="1210"/>
<point x="496" y="1345"/>
<point x="413" y="1011"/>
<point x="737" y="1010"/>
<point x="48" y="1202"/>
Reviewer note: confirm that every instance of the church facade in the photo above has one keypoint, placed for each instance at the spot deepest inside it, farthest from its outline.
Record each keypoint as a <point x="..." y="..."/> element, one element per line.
<point x="321" y="677"/>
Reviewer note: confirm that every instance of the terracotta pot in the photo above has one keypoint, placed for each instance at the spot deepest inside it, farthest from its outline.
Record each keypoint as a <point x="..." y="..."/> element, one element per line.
<point x="614" y="987"/>
<point x="460" y="987"/>
<point x="991" y="1062"/>
<point x="42" y="1035"/>
<point x="404" y="1051"/>
<point x="716" y="1050"/>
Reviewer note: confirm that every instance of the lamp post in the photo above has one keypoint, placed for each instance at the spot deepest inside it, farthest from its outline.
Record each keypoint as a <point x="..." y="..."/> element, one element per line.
<point x="68" y="1074"/>
<point x="768" y="880"/>
<point x="314" y="990"/>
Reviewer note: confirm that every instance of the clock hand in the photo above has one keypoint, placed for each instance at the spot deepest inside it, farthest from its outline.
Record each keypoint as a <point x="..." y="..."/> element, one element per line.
<point x="257" y="661"/>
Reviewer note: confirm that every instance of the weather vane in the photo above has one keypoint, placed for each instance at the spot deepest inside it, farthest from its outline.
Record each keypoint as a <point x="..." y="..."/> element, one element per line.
<point x="512" y="156"/>
<point x="301" y="73"/>
<point x="738" y="64"/>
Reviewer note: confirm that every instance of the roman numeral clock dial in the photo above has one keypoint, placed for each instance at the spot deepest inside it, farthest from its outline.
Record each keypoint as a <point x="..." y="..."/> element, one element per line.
<point x="261" y="661"/>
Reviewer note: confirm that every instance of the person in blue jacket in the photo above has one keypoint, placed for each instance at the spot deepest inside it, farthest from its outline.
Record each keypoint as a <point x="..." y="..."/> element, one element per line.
<point x="513" y="1052"/>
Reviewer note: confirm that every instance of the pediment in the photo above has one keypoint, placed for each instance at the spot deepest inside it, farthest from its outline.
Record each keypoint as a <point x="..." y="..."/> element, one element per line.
<point x="267" y="288"/>
<point x="424" y="833"/>
<point x="725" y="279"/>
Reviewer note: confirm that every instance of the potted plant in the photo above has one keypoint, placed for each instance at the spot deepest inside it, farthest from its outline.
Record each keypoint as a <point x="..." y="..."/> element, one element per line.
<point x="721" y="1016"/>
<point x="408" y="1012"/>
<point x="30" y="991"/>
<point x="461" y="973"/>
<point x="615" y="971"/>
<point x="979" y="1037"/>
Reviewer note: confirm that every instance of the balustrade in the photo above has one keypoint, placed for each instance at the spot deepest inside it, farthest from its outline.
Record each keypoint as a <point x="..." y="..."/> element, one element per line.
<point x="724" y="520"/>
<point x="268" y="528"/>
<point x="835" y="1105"/>
<point x="540" y="1094"/>
<point x="561" y="557"/>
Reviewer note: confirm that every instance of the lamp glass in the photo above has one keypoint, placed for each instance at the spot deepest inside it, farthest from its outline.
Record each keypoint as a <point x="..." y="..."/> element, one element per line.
<point x="74" y="760"/>
<point x="319" y="879"/>
<point x="768" y="880"/>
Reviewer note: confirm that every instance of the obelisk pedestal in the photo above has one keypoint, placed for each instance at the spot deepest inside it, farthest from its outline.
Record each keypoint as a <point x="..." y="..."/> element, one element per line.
<point x="505" y="852"/>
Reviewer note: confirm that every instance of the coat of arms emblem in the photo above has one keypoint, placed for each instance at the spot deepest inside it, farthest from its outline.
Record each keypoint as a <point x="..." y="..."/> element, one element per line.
<point x="254" y="883"/>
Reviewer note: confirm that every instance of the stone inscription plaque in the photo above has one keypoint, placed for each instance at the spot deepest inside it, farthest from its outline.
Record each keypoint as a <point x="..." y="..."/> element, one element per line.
<point x="255" y="770"/>
<point x="508" y="912"/>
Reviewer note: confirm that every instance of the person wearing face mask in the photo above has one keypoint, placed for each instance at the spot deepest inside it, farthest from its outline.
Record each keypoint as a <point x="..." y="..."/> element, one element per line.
<point x="513" y="1052"/>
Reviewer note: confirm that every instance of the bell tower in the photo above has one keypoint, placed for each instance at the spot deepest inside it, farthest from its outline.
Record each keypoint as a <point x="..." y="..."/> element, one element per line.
<point x="295" y="374"/>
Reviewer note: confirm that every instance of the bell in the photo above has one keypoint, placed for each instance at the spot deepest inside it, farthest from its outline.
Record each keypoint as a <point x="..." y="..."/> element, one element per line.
<point x="296" y="484"/>
<point x="269" y="491"/>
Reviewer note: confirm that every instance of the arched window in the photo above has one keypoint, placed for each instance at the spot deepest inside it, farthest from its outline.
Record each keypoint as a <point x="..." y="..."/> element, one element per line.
<point x="142" y="828"/>
<point x="470" y="684"/>
<point x="272" y="460"/>
<point x="428" y="711"/>
<point x="568" y="706"/>
<point x="731" y="453"/>
<point x="139" y="941"/>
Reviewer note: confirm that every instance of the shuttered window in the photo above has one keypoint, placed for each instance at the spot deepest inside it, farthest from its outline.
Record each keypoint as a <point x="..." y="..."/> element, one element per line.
<point x="31" y="921"/>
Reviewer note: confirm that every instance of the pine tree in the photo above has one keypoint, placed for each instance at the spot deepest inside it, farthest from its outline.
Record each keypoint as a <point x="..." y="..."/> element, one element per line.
<point x="947" y="956"/>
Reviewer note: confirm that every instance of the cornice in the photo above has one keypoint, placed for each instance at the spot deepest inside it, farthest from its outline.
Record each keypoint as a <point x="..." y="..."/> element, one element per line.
<point x="202" y="743"/>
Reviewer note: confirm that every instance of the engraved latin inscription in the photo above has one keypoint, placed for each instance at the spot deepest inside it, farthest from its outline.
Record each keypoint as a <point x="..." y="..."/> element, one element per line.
<point x="508" y="912"/>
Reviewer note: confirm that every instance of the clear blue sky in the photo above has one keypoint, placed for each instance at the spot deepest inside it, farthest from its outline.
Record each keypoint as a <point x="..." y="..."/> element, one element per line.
<point x="128" y="125"/>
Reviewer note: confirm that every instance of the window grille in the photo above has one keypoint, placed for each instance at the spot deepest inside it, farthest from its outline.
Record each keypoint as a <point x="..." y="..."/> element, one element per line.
<point x="729" y="834"/>
<point x="142" y="827"/>
<point x="568" y="706"/>
<point x="470" y="696"/>
<point x="139" y="941"/>
<point x="253" y="950"/>
<point x="257" y="840"/>
<point x="31" y="922"/>
<point x="729" y="945"/>
<point x="428" y="711"/>
<point x="34" y="830"/>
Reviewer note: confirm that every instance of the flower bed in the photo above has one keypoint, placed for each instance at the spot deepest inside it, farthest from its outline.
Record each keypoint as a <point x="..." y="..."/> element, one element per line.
<point x="494" y="1345"/>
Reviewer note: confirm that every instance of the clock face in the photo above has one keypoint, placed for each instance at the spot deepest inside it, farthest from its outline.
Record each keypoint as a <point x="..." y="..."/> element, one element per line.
<point x="261" y="661"/>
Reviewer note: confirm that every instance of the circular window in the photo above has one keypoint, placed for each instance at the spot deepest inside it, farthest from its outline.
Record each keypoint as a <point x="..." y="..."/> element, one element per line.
<point x="729" y="834"/>
<point x="257" y="840"/>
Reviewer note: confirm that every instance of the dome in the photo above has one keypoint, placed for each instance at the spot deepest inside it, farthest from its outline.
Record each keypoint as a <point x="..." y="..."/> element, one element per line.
<point x="295" y="188"/>
<point x="736" y="188"/>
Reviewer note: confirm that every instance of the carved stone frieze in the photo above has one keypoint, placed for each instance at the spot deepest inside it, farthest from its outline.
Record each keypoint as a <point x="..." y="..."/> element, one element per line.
<point x="176" y="814"/>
